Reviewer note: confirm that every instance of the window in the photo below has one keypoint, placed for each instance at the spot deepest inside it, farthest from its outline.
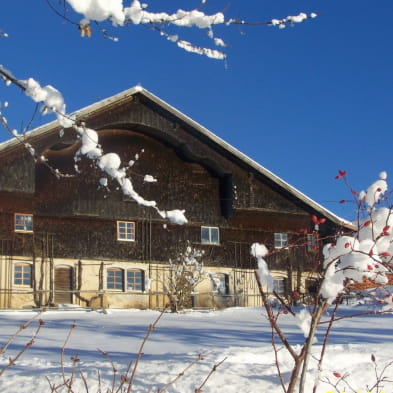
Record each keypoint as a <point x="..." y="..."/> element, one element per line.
<point x="312" y="286"/>
<point x="311" y="242"/>
<point x="279" y="286"/>
<point x="222" y="283"/>
<point x="210" y="235"/>
<point x="135" y="280"/>
<point x="130" y="280"/>
<point x="126" y="231"/>
<point x="22" y="274"/>
<point x="115" y="279"/>
<point x="280" y="240"/>
<point x="23" y="222"/>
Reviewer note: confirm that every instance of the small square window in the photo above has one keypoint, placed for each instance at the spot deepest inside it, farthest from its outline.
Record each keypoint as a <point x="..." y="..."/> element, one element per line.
<point x="280" y="240"/>
<point x="210" y="235"/>
<point x="126" y="231"/>
<point x="22" y="274"/>
<point x="23" y="222"/>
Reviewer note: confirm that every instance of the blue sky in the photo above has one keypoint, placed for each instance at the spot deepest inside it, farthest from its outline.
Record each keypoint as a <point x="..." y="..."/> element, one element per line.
<point x="304" y="102"/>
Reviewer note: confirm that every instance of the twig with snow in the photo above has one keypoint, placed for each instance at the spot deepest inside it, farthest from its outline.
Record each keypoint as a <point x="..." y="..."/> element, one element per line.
<point x="108" y="163"/>
<point x="364" y="254"/>
<point x="138" y="14"/>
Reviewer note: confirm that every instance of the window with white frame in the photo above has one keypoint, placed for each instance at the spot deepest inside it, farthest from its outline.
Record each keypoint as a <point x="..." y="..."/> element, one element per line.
<point x="222" y="283"/>
<point x="115" y="279"/>
<point x="22" y="274"/>
<point x="210" y="235"/>
<point x="126" y="231"/>
<point x="135" y="280"/>
<point x="23" y="222"/>
<point x="279" y="286"/>
<point x="311" y="242"/>
<point x="280" y="240"/>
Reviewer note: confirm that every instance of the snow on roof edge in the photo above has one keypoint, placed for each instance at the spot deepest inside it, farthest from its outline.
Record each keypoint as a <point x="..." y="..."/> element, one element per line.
<point x="139" y="89"/>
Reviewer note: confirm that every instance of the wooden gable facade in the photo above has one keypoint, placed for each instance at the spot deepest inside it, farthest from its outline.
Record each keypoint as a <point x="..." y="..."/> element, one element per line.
<point x="67" y="240"/>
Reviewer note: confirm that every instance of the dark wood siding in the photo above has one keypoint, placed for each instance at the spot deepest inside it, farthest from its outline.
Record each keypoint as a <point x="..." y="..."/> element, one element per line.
<point x="214" y="187"/>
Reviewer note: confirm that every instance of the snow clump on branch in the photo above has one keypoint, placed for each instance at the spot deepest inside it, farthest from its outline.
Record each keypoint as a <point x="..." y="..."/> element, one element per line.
<point x="100" y="10"/>
<point x="366" y="254"/>
<point x="259" y="251"/>
<point x="281" y="23"/>
<point x="114" y="11"/>
<point x="51" y="98"/>
<point x="110" y="164"/>
<point x="136" y="13"/>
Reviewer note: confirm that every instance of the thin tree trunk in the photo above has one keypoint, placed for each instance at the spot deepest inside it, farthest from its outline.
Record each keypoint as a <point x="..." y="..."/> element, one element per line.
<point x="316" y="317"/>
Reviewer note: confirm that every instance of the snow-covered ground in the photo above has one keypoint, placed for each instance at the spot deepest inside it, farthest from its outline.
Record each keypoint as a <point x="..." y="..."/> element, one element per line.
<point x="241" y="336"/>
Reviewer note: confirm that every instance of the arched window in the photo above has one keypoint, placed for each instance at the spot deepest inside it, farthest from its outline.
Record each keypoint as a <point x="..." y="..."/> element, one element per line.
<point x="22" y="274"/>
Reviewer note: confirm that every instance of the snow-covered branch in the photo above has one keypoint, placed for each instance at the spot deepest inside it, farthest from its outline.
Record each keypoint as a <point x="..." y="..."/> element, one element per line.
<point x="367" y="254"/>
<point x="118" y="14"/>
<point x="109" y="163"/>
<point x="50" y="97"/>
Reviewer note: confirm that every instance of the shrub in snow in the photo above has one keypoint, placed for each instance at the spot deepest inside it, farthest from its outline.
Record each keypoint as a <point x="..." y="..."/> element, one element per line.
<point x="185" y="273"/>
<point x="367" y="253"/>
<point x="352" y="257"/>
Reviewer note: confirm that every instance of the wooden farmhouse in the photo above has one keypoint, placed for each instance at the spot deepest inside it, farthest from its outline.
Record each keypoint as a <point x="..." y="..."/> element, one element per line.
<point x="72" y="239"/>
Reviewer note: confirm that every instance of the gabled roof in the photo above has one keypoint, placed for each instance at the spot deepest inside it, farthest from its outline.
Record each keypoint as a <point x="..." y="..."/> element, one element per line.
<point x="127" y="95"/>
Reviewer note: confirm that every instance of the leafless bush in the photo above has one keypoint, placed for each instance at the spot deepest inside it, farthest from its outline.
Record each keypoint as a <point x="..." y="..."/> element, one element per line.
<point x="346" y="259"/>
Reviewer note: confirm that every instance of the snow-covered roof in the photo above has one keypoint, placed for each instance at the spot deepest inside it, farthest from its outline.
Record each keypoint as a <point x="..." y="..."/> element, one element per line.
<point x="124" y="96"/>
